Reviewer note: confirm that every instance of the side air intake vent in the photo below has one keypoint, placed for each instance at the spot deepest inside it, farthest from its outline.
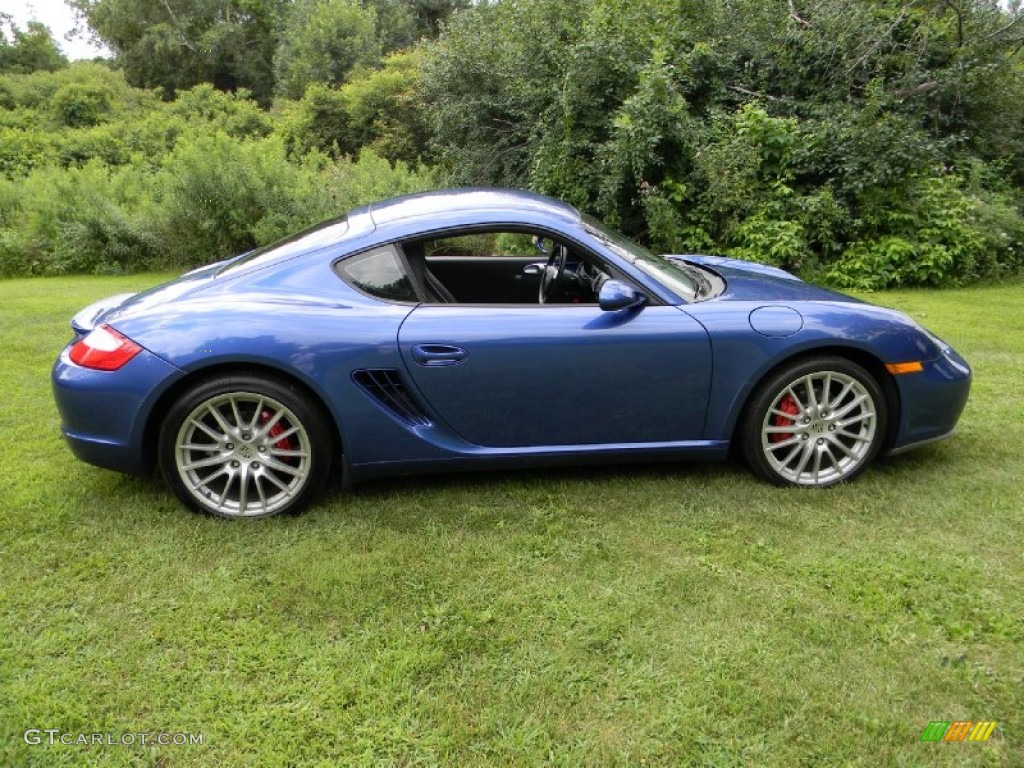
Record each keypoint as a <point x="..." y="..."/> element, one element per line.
<point x="385" y="386"/>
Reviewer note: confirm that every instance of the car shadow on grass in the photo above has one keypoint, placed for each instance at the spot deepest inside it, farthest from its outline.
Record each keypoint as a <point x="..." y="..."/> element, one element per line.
<point x="584" y="491"/>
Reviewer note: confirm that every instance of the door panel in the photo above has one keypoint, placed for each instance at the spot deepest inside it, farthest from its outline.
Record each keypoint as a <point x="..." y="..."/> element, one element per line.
<point x="561" y="374"/>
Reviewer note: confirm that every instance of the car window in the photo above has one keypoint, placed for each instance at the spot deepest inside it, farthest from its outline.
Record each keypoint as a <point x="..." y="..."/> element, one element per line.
<point x="380" y="272"/>
<point x="670" y="275"/>
<point x="497" y="244"/>
<point x="503" y="266"/>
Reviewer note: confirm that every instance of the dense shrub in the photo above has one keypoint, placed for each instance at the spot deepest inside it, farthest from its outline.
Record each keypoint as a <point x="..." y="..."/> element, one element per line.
<point x="871" y="144"/>
<point x="22" y="150"/>
<point x="824" y="136"/>
<point x="219" y="196"/>
<point x="211" y="197"/>
<point x="937" y="236"/>
<point x="89" y="219"/>
<point x="378" y="109"/>
<point x="236" y="114"/>
<point x="80" y="104"/>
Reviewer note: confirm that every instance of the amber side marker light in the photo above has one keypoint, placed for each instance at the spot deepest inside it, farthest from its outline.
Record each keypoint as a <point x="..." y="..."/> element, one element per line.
<point x="898" y="368"/>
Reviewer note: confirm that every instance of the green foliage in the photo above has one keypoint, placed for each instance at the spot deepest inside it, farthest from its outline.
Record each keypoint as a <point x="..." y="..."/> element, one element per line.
<point x="236" y="114"/>
<point x="378" y="109"/>
<point x="56" y="221"/>
<point x="492" y="85"/>
<point x="870" y="144"/>
<point x="21" y="151"/>
<point x="36" y="91"/>
<point x="932" y="239"/>
<point x="217" y="197"/>
<point x="322" y="41"/>
<point x="221" y="197"/>
<point x="385" y="110"/>
<point x="770" y="240"/>
<point x="99" y="177"/>
<point x="78" y="104"/>
<point x="30" y="50"/>
<point x="318" y="121"/>
<point x="368" y="178"/>
<point x="779" y="132"/>
<point x="210" y="197"/>
<point x="177" y="44"/>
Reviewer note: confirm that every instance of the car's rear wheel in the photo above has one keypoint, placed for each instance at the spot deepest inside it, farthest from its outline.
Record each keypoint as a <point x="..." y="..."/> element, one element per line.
<point x="245" y="446"/>
<point x="814" y="423"/>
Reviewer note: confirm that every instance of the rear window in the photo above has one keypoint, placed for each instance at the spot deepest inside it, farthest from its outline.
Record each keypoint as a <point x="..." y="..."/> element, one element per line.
<point x="380" y="272"/>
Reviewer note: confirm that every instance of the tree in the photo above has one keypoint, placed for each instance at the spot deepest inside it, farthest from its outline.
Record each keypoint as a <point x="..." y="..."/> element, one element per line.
<point x="30" y="50"/>
<point x="322" y="41"/>
<point x="176" y="44"/>
<point x="401" y="23"/>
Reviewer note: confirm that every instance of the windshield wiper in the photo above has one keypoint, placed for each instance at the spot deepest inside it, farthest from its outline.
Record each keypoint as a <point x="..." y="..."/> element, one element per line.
<point x="702" y="284"/>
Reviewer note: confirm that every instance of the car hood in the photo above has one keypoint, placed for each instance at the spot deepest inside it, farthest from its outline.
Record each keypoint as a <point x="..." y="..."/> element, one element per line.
<point x="750" y="281"/>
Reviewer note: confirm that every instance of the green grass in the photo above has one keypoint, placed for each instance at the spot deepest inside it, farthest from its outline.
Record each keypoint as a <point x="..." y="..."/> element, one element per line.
<point x="659" y="615"/>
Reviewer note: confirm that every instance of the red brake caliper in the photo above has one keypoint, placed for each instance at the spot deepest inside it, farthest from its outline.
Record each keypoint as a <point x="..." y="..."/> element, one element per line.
<point x="284" y="444"/>
<point x="786" y="405"/>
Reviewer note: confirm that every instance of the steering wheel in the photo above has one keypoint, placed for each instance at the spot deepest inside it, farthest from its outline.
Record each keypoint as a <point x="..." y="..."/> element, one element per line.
<point x="551" y="277"/>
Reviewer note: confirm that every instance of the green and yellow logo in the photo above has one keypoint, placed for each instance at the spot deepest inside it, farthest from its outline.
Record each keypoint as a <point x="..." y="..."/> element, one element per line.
<point x="961" y="730"/>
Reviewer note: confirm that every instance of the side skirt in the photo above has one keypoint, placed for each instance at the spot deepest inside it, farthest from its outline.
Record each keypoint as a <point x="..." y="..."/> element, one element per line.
<point x="517" y="458"/>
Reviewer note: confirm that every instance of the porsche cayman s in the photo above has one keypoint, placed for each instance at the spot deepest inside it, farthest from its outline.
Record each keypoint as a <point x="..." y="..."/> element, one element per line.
<point x="488" y="328"/>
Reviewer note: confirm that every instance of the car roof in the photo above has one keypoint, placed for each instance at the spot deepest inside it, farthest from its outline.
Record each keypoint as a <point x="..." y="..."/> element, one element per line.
<point x="497" y="202"/>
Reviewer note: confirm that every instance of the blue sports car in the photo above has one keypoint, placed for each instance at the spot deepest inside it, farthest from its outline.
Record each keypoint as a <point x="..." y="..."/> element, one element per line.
<point x="483" y="328"/>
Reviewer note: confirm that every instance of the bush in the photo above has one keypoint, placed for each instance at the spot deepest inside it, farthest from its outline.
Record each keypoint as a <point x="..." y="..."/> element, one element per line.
<point x="23" y="150"/>
<point x="378" y="109"/>
<point x="81" y="104"/>
<point x="37" y="90"/>
<point x="58" y="221"/>
<point x="931" y="237"/>
<point x="316" y="122"/>
<point x="236" y="114"/>
<point x="219" y="197"/>
<point x="368" y="178"/>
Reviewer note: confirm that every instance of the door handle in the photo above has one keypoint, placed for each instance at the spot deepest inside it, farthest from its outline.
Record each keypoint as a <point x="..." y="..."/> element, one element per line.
<point x="434" y="355"/>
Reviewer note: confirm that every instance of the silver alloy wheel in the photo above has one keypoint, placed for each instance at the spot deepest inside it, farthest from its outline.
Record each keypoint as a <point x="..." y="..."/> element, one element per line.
<point x="819" y="428"/>
<point x="242" y="454"/>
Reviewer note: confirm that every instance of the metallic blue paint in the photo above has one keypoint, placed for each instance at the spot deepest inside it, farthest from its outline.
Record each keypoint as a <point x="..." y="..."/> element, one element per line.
<point x="563" y="374"/>
<point x="776" y="321"/>
<point x="616" y="296"/>
<point x="498" y="385"/>
<point x="104" y="413"/>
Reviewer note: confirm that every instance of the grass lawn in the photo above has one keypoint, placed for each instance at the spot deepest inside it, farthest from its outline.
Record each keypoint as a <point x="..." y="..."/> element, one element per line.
<point x="659" y="615"/>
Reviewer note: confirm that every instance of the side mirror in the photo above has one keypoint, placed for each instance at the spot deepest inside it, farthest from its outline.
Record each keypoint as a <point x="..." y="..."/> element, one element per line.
<point x="615" y="295"/>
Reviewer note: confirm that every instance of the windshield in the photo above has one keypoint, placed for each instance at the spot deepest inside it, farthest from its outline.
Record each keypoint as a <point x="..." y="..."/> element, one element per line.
<point x="671" y="275"/>
<point x="313" y="239"/>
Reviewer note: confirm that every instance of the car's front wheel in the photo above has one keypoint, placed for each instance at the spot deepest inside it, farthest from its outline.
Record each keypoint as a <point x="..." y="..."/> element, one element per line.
<point x="814" y="423"/>
<point x="244" y="446"/>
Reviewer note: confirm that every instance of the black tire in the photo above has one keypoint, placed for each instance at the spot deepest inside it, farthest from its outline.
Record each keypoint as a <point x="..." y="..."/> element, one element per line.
<point x="793" y="432"/>
<point x="245" y="446"/>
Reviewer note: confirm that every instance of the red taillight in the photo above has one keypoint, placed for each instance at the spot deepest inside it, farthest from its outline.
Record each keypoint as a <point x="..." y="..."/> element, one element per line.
<point x="103" y="349"/>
